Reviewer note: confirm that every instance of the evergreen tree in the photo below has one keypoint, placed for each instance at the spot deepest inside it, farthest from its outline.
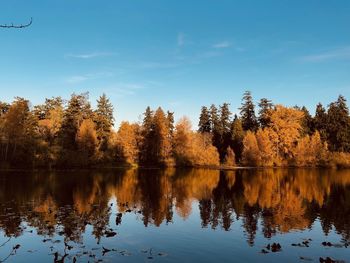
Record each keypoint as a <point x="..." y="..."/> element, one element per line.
<point x="247" y="111"/>
<point x="170" y="120"/>
<point x="204" y="120"/>
<point x="78" y="109"/>
<point x="225" y="118"/>
<point x="215" y="126"/>
<point x="320" y="121"/>
<point x="104" y="121"/>
<point x="265" y="106"/>
<point x="42" y="111"/>
<point x="338" y="126"/>
<point x="237" y="136"/>
<point x="147" y="134"/>
<point x="225" y="130"/>
<point x="307" y="122"/>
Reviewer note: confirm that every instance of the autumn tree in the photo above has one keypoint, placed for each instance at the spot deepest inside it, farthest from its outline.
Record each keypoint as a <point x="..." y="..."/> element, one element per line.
<point x="170" y="120"/>
<point x="49" y="124"/>
<point x="247" y="112"/>
<point x="182" y="142"/>
<point x="286" y="123"/>
<point x="193" y="149"/>
<point x="42" y="111"/>
<point x="204" y="153"/>
<point x="162" y="143"/>
<point x="251" y="153"/>
<point x="86" y="139"/>
<point x="128" y="143"/>
<point x="18" y="133"/>
<point x="230" y="158"/>
<point x="311" y="151"/>
<point x="4" y="107"/>
<point x="267" y="152"/>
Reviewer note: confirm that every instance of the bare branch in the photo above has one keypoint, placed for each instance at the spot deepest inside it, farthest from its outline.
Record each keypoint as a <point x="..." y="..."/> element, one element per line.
<point x="17" y="25"/>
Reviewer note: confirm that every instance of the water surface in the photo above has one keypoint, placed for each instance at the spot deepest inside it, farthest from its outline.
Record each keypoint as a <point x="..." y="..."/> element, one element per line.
<point x="174" y="215"/>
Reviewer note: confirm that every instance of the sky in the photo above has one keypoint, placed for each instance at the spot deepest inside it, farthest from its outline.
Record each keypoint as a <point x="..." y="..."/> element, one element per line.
<point x="179" y="54"/>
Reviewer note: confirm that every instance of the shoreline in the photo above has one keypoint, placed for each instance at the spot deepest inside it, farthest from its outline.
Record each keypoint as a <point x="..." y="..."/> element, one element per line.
<point x="219" y="168"/>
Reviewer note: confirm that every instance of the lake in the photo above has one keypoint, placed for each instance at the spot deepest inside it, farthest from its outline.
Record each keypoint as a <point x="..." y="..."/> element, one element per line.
<point x="175" y="215"/>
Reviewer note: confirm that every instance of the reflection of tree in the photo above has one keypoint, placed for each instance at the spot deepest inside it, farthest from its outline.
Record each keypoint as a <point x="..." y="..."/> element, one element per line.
<point x="282" y="200"/>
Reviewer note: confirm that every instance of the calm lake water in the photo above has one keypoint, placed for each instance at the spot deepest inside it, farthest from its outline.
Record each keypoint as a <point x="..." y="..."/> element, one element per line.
<point x="174" y="215"/>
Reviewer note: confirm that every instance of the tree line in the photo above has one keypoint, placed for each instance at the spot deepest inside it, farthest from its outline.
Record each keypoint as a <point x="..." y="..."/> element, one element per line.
<point x="66" y="134"/>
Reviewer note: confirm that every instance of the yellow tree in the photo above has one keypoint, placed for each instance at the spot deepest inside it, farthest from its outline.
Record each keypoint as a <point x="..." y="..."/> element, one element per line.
<point x="311" y="151"/>
<point x="192" y="148"/>
<point x="182" y="139"/>
<point x="203" y="152"/>
<point x="251" y="153"/>
<point x="162" y="144"/>
<point x="230" y="158"/>
<point x="267" y="151"/>
<point x="286" y="123"/>
<point x="87" y="140"/>
<point x="127" y="142"/>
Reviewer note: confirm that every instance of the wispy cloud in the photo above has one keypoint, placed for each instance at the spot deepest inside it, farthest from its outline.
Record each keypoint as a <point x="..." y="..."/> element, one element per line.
<point x="124" y="89"/>
<point x="180" y="39"/>
<point x="223" y="44"/>
<point x="157" y="65"/>
<point x="90" y="55"/>
<point x="81" y="78"/>
<point x="334" y="54"/>
<point x="76" y="79"/>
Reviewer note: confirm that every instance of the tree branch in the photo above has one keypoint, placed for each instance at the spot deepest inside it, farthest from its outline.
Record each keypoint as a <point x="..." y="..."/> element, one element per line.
<point x="17" y="25"/>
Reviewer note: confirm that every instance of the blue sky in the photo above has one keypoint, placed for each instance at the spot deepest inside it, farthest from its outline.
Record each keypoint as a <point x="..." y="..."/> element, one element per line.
<point x="176" y="54"/>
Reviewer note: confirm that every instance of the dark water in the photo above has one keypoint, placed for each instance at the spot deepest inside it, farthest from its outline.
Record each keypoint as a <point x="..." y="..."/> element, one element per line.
<point x="174" y="216"/>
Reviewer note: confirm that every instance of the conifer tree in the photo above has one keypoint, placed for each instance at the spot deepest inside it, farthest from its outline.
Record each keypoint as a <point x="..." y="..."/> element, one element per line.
<point x="104" y="120"/>
<point x="204" y="121"/>
<point x="265" y="106"/>
<point x="307" y="122"/>
<point x="147" y="133"/>
<point x="338" y="125"/>
<point x="237" y="135"/>
<point x="170" y="120"/>
<point x="225" y="130"/>
<point x="78" y="109"/>
<point x="247" y="111"/>
<point x="320" y="121"/>
<point x="215" y="126"/>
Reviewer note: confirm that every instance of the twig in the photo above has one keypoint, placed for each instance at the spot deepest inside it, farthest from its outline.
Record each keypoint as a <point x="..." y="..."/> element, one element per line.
<point x="6" y="242"/>
<point x="13" y="252"/>
<point x="17" y="26"/>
